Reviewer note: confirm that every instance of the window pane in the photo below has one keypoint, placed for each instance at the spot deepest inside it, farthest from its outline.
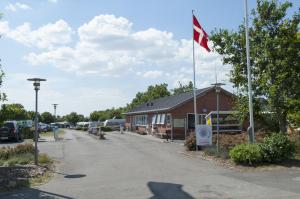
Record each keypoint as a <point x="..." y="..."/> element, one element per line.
<point x="158" y="119"/>
<point x="162" y="120"/>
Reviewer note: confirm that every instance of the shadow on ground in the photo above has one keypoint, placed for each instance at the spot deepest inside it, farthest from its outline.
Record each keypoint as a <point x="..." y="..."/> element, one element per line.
<point x="163" y="190"/>
<point x="31" y="193"/>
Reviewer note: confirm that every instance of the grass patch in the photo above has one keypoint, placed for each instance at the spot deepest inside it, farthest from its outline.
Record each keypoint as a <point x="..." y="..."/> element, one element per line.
<point x="50" y="133"/>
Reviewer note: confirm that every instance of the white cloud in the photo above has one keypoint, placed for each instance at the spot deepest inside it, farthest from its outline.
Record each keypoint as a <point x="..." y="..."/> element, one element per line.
<point x="109" y="46"/>
<point x="53" y="1"/>
<point x="47" y="36"/>
<point x="17" y="6"/>
<point x="153" y="74"/>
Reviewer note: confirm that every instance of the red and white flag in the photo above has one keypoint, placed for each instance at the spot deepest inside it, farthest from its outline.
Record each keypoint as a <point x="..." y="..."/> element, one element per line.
<point x="200" y="35"/>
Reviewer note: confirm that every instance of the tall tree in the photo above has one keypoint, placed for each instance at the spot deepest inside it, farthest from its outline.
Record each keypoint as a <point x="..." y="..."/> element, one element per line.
<point x="275" y="57"/>
<point x="47" y="118"/>
<point x="182" y="88"/>
<point x="153" y="92"/>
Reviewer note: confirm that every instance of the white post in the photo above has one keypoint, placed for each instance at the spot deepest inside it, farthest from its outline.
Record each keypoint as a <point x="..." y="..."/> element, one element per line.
<point x="251" y="127"/>
<point x="194" y="72"/>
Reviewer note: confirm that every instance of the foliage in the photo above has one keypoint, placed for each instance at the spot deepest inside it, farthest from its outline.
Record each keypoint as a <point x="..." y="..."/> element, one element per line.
<point x="108" y="114"/>
<point x="47" y="118"/>
<point x="12" y="112"/>
<point x="26" y="133"/>
<point x="74" y="118"/>
<point x="45" y="159"/>
<point x="2" y="95"/>
<point x="152" y="93"/>
<point x="277" y="147"/>
<point x="182" y="88"/>
<point x="246" y="154"/>
<point x="8" y="152"/>
<point x="274" y="52"/>
<point x="190" y="142"/>
<point x="106" y="128"/>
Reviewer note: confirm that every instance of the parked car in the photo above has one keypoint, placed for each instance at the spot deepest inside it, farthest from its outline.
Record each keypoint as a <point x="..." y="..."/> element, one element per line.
<point x="10" y="131"/>
<point x="44" y="127"/>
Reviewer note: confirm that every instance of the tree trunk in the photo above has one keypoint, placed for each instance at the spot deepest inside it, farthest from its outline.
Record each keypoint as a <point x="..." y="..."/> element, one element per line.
<point x="282" y="121"/>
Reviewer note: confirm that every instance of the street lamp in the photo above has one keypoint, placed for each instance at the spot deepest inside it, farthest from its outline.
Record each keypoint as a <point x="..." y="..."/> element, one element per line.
<point x="54" y="106"/>
<point x="218" y="90"/>
<point x="36" y="84"/>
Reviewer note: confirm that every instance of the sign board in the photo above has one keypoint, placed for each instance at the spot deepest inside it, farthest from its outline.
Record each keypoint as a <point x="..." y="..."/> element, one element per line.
<point x="204" y="135"/>
<point x="178" y="123"/>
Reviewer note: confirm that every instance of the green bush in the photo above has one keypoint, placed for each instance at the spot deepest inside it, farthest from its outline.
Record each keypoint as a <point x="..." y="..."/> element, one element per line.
<point x="106" y="129"/>
<point x="190" y="142"/>
<point x="246" y="154"/>
<point x="45" y="159"/>
<point x="27" y="133"/>
<point x="277" y="147"/>
<point x="4" y="153"/>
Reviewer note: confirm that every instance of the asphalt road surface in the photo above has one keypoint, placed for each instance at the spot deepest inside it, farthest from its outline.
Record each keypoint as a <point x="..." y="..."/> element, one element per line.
<point x="132" y="167"/>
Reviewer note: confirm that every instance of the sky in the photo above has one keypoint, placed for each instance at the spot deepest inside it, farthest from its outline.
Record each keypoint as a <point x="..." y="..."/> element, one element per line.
<point x="98" y="54"/>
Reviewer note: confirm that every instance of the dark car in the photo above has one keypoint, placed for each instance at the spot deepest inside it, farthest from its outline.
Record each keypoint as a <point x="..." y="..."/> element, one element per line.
<point x="10" y="131"/>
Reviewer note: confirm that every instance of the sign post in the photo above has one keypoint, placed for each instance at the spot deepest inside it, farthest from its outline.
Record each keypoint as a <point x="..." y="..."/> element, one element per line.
<point x="203" y="135"/>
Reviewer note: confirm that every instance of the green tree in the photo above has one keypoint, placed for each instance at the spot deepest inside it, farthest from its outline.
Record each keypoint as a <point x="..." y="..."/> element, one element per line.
<point x="13" y="112"/>
<point x="152" y="93"/>
<point x="47" y="118"/>
<point x="182" y="88"/>
<point x="275" y="55"/>
<point x="74" y="118"/>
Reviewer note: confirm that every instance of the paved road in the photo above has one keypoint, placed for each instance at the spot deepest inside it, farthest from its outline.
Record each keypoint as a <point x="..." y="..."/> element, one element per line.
<point x="128" y="167"/>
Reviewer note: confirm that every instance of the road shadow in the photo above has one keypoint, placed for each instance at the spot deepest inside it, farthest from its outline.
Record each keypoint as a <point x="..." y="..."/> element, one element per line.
<point x="163" y="190"/>
<point x="31" y="193"/>
<point x="70" y="175"/>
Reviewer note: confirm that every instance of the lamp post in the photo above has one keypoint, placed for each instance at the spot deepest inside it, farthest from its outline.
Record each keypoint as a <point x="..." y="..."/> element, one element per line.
<point x="218" y="90"/>
<point x="54" y="106"/>
<point x="36" y="84"/>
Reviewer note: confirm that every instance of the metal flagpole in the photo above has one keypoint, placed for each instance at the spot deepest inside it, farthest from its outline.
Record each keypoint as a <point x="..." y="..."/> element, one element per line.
<point x="194" y="71"/>
<point x="251" y="127"/>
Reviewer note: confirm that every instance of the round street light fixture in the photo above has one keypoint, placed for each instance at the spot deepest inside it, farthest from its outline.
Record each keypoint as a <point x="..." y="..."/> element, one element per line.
<point x="36" y="85"/>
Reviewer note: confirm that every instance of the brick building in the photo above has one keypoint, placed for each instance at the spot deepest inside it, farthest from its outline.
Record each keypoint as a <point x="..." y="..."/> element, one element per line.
<point x="173" y="116"/>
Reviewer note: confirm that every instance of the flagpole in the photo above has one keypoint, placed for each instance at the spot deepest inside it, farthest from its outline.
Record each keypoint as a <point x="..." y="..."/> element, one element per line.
<point x="251" y="127"/>
<point x="194" y="71"/>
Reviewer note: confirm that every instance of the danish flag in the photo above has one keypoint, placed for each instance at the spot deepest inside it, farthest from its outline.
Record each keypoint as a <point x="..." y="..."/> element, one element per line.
<point x="200" y="35"/>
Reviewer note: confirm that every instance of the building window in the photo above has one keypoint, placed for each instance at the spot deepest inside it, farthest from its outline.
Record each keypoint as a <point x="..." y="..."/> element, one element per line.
<point x="162" y="119"/>
<point x="191" y="120"/>
<point x="141" y="119"/>
<point x="168" y="119"/>
<point x="158" y="119"/>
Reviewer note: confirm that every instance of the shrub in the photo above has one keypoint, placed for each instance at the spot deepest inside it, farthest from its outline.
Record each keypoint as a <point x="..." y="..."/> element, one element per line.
<point x="45" y="159"/>
<point x="106" y="129"/>
<point x="24" y="148"/>
<point x="190" y="142"/>
<point x="246" y="154"/>
<point x="4" y="153"/>
<point x="277" y="147"/>
<point x="7" y="152"/>
<point x="27" y="133"/>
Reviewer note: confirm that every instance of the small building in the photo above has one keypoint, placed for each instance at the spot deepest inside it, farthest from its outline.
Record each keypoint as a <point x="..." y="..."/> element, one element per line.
<point x="173" y="116"/>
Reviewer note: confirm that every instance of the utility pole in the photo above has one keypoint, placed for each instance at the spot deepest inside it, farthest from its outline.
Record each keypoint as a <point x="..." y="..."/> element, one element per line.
<point x="251" y="127"/>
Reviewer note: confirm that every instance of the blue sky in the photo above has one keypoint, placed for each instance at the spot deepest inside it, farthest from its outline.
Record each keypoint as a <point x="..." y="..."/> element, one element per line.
<point x="98" y="54"/>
